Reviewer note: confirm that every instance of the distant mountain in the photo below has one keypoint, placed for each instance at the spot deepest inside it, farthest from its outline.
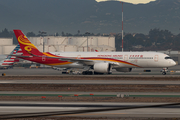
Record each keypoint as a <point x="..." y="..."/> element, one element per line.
<point x="70" y="16"/>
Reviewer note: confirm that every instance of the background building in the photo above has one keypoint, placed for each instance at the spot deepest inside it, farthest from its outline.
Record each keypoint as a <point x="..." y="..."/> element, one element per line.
<point x="72" y="44"/>
<point x="63" y="44"/>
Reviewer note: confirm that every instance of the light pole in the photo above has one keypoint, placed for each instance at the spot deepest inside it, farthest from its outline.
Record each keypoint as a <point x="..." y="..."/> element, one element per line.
<point x="87" y="33"/>
<point x="42" y="33"/>
<point x="122" y="26"/>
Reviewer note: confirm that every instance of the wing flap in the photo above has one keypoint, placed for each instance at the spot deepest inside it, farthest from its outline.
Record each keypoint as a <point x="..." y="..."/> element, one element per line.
<point x="80" y="61"/>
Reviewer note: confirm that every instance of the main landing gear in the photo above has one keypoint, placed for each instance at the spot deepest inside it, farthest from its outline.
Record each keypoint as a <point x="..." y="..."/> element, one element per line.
<point x="91" y="73"/>
<point x="164" y="70"/>
<point x="87" y="72"/>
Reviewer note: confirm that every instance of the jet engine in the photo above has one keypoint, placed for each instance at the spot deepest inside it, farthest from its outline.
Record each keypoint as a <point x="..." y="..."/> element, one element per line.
<point x="124" y="69"/>
<point x="102" y="67"/>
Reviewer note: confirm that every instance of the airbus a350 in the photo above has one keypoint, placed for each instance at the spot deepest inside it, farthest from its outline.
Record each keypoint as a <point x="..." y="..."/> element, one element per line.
<point x="99" y="62"/>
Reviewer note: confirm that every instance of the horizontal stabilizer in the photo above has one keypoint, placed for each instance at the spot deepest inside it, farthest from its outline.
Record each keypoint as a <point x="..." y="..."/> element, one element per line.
<point x="22" y="56"/>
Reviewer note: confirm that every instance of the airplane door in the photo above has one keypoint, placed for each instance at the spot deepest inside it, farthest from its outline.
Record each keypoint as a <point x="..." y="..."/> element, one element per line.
<point x="125" y="57"/>
<point x="78" y="57"/>
<point x="43" y="58"/>
<point x="156" y="57"/>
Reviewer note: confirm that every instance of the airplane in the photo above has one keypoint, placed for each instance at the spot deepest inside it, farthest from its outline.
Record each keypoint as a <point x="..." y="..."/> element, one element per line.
<point x="10" y="60"/>
<point x="100" y="62"/>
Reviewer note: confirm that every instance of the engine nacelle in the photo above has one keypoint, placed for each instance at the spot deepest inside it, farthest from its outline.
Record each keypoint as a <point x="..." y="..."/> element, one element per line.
<point x="102" y="67"/>
<point x="124" y="69"/>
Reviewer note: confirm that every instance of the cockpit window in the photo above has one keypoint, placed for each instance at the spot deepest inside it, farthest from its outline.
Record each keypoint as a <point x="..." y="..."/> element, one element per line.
<point x="168" y="58"/>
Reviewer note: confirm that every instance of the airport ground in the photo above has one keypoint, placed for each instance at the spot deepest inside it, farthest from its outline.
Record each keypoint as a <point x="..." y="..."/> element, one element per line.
<point x="46" y="90"/>
<point x="173" y="71"/>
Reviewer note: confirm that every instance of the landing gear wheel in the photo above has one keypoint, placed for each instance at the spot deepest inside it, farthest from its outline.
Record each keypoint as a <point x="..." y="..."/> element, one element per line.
<point x="87" y="72"/>
<point x="164" y="73"/>
<point x="97" y="73"/>
<point x="64" y="72"/>
<point x="164" y="70"/>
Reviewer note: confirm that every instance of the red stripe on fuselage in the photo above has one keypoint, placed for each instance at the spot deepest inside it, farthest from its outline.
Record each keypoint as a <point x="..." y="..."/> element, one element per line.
<point x="56" y="61"/>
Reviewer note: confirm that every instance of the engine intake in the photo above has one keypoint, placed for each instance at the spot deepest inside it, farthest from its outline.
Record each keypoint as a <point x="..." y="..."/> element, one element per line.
<point x="102" y="67"/>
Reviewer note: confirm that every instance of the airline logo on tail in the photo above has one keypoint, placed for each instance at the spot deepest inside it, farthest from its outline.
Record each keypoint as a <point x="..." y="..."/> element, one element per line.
<point x="27" y="47"/>
<point x="9" y="61"/>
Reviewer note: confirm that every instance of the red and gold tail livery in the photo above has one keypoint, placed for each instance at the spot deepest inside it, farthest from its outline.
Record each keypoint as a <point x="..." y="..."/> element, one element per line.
<point x="27" y="47"/>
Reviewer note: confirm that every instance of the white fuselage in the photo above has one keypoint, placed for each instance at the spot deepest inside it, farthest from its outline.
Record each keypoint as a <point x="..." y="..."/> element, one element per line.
<point x="122" y="59"/>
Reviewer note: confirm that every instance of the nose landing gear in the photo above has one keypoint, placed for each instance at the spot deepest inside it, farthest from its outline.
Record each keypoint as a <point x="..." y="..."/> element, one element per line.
<point x="164" y="70"/>
<point x="164" y="73"/>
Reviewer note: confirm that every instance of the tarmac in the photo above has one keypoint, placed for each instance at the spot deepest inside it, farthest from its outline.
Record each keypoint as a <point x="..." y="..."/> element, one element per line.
<point x="18" y="107"/>
<point x="16" y="71"/>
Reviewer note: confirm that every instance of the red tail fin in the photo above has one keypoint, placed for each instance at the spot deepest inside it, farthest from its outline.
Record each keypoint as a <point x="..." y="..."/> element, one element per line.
<point x="27" y="47"/>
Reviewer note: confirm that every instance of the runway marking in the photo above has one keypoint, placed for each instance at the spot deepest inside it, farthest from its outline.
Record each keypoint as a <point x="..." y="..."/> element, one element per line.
<point x="6" y="82"/>
<point x="92" y="114"/>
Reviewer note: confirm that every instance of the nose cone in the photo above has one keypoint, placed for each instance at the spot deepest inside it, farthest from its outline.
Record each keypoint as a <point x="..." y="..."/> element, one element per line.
<point x="173" y="63"/>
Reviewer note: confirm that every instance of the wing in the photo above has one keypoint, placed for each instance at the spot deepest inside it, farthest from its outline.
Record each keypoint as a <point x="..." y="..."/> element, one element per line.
<point x="80" y="61"/>
<point x="88" y="62"/>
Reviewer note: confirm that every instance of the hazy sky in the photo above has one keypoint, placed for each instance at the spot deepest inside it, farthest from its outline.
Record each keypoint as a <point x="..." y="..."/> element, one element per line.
<point x="130" y="1"/>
